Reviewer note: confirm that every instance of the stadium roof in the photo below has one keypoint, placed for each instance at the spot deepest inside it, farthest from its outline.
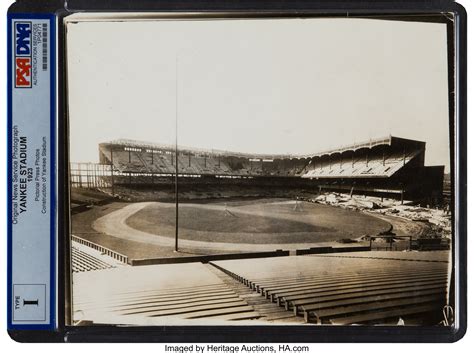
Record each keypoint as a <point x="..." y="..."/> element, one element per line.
<point x="387" y="141"/>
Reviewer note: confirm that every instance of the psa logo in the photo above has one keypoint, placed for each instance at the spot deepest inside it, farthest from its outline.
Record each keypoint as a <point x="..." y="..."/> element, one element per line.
<point x="22" y="54"/>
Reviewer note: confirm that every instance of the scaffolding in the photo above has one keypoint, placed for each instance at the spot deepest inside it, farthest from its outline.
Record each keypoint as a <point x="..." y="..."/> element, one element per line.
<point x="90" y="175"/>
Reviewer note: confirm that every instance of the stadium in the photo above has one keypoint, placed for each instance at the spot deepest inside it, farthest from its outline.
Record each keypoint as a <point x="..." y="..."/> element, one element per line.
<point x="355" y="235"/>
<point x="388" y="166"/>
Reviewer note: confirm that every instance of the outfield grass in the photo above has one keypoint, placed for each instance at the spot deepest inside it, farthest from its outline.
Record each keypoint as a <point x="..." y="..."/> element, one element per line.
<point x="257" y="222"/>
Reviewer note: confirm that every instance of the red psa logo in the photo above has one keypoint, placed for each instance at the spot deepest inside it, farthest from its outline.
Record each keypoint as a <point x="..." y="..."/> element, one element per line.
<point x="23" y="72"/>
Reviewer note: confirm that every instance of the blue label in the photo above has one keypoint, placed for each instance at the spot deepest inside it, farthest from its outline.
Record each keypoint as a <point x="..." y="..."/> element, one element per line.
<point x="31" y="172"/>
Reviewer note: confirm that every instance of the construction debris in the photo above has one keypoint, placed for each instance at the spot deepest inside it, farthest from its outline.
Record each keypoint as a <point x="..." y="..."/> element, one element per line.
<point x="438" y="219"/>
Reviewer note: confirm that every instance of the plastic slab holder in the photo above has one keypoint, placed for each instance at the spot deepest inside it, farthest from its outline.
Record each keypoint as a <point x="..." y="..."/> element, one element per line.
<point x="76" y="273"/>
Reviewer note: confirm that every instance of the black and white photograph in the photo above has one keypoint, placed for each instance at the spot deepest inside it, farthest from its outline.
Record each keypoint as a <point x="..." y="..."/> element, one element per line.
<point x="259" y="170"/>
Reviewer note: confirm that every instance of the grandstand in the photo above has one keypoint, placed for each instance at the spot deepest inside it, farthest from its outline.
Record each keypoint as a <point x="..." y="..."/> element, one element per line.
<point x="390" y="166"/>
<point x="360" y="288"/>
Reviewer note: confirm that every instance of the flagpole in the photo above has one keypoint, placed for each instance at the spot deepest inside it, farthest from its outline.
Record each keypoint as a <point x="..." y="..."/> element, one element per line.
<point x="176" y="155"/>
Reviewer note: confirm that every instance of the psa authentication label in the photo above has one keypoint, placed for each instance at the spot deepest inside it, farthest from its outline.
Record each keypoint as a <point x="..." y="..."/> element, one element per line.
<point x="23" y="54"/>
<point x="31" y="172"/>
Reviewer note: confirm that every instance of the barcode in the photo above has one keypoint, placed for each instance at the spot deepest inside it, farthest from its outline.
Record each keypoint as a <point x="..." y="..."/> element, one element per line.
<point x="45" y="46"/>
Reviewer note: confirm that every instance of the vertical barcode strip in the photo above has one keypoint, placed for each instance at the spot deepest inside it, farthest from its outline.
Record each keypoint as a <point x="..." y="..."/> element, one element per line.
<point x="45" y="46"/>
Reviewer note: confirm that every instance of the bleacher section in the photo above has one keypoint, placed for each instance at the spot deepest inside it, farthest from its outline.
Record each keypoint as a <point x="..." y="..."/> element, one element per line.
<point x="345" y="290"/>
<point x="377" y="166"/>
<point x="83" y="262"/>
<point x="382" y="288"/>
<point x="157" y="295"/>
<point x="87" y="256"/>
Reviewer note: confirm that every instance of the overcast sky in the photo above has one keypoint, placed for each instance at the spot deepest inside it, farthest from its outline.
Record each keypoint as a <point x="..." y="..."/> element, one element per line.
<point x="261" y="86"/>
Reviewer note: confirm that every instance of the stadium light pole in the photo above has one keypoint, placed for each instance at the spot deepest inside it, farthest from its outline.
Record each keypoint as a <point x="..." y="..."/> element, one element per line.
<point x="176" y="155"/>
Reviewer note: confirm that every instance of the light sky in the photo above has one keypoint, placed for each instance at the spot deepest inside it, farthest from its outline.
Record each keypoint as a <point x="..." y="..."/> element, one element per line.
<point x="259" y="86"/>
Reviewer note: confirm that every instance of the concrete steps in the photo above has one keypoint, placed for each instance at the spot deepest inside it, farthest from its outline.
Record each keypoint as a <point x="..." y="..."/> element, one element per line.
<point x="267" y="311"/>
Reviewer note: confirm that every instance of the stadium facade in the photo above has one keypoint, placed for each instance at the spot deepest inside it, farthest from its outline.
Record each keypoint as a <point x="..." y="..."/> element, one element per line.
<point x="386" y="167"/>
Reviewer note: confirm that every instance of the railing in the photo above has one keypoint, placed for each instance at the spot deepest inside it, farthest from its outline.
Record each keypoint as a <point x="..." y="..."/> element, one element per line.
<point x="115" y="255"/>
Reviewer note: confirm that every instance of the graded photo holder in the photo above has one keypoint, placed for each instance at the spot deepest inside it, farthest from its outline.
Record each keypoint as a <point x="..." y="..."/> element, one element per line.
<point x="241" y="171"/>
